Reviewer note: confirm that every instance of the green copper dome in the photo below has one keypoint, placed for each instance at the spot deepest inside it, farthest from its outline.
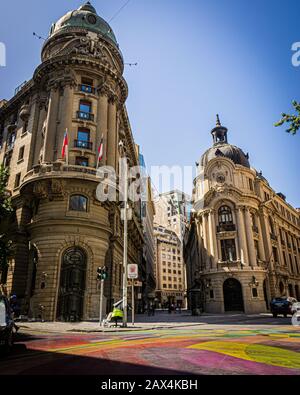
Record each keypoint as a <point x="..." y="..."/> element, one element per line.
<point x="87" y="18"/>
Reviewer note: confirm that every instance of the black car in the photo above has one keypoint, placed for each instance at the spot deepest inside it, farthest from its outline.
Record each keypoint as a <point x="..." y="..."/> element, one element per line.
<point x="282" y="305"/>
<point x="6" y="326"/>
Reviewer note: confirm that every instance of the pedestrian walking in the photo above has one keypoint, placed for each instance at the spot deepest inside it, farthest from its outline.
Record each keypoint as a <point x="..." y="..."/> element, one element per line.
<point x="15" y="310"/>
<point x="153" y="309"/>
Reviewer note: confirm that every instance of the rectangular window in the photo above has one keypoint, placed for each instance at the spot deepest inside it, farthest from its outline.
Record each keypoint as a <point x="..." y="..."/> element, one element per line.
<point x="211" y="294"/>
<point x="25" y="127"/>
<point x="275" y="254"/>
<point x="228" y="250"/>
<point x="85" y="107"/>
<point x="251" y="184"/>
<point x="83" y="135"/>
<point x="80" y="161"/>
<point x="291" y="263"/>
<point x="21" y="153"/>
<point x="87" y="85"/>
<point x="254" y="292"/>
<point x="17" y="180"/>
<point x="85" y="111"/>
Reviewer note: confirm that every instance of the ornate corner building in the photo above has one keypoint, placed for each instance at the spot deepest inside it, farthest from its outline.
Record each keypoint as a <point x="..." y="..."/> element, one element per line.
<point x="61" y="231"/>
<point x="242" y="247"/>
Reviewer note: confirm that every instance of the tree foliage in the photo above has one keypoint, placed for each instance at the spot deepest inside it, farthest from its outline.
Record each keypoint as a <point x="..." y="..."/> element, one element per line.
<point x="5" y="211"/>
<point x="292" y="121"/>
<point x="5" y="200"/>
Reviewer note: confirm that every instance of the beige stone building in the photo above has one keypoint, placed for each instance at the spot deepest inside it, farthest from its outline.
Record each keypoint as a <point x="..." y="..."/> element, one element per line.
<point x="61" y="232"/>
<point x="172" y="210"/>
<point x="242" y="247"/>
<point x="170" y="272"/>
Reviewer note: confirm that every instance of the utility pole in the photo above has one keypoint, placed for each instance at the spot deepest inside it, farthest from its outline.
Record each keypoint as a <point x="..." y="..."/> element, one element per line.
<point x="125" y="252"/>
<point x="132" y="290"/>
<point x="101" y="302"/>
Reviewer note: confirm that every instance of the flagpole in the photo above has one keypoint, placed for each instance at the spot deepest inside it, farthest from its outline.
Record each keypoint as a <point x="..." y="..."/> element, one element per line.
<point x="67" y="152"/>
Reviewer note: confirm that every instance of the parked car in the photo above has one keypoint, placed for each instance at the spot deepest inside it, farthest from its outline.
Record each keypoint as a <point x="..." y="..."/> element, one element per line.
<point x="296" y="308"/>
<point x="282" y="305"/>
<point x="6" y="326"/>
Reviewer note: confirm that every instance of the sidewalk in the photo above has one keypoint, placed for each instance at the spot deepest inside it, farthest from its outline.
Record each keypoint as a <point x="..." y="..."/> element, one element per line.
<point x="145" y="323"/>
<point x="142" y="322"/>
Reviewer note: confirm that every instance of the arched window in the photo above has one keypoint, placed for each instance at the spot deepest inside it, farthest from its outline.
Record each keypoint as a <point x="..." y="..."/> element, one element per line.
<point x="225" y="215"/>
<point x="78" y="203"/>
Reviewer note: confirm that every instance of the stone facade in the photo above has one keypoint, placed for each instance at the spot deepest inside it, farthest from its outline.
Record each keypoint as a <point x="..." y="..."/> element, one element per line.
<point x="61" y="232"/>
<point x="242" y="247"/>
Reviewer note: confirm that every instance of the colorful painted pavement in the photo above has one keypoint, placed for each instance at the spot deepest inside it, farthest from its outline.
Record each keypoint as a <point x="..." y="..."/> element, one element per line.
<point x="274" y="351"/>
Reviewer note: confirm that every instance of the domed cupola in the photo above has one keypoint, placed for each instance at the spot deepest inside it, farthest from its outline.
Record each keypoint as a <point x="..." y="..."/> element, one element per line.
<point x="84" y="18"/>
<point x="221" y="148"/>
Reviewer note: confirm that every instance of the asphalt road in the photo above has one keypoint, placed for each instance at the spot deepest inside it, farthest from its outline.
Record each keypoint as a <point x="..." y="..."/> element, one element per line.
<point x="218" y="345"/>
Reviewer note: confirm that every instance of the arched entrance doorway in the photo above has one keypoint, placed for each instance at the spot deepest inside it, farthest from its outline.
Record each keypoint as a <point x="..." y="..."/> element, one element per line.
<point x="72" y="285"/>
<point x="233" y="295"/>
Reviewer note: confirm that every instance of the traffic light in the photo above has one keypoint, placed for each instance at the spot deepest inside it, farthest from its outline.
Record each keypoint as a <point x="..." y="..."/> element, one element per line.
<point x="102" y="273"/>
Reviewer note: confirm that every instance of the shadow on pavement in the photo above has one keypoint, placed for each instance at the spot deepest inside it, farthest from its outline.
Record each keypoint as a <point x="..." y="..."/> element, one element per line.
<point x="23" y="361"/>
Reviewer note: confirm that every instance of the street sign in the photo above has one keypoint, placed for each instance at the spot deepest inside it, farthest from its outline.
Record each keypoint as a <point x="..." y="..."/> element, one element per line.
<point x="133" y="271"/>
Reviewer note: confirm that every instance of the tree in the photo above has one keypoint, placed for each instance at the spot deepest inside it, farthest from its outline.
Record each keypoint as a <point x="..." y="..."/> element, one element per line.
<point x="5" y="211"/>
<point x="293" y="121"/>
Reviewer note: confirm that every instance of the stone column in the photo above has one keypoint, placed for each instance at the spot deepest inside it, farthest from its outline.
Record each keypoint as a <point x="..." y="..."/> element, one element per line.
<point x="242" y="237"/>
<point x="250" y="240"/>
<point x="39" y="137"/>
<point x="112" y="144"/>
<point x="212" y="239"/>
<point x="66" y="115"/>
<point x="280" y="251"/>
<point x="102" y="123"/>
<point x="262" y="253"/>
<point x="205" y="239"/>
<point x="34" y="132"/>
<point x="51" y="126"/>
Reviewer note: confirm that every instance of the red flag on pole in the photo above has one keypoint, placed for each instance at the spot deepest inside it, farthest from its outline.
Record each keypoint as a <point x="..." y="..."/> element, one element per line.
<point x="100" y="151"/>
<point x="64" y="151"/>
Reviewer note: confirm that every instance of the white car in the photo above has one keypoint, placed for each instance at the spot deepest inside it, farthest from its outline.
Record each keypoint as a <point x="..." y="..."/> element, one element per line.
<point x="295" y="307"/>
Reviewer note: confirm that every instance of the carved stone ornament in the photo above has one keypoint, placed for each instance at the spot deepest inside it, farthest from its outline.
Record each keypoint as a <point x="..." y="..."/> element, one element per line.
<point x="56" y="186"/>
<point x="82" y="46"/>
<point x="220" y="178"/>
<point x="40" y="189"/>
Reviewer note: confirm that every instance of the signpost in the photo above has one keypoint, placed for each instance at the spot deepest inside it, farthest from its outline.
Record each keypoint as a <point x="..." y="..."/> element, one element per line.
<point x="133" y="274"/>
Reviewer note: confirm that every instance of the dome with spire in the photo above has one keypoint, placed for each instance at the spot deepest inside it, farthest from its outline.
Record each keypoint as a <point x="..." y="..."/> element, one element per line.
<point x="85" y="17"/>
<point x="221" y="148"/>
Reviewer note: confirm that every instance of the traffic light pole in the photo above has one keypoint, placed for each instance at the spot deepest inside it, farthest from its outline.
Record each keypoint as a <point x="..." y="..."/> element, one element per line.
<point x="101" y="302"/>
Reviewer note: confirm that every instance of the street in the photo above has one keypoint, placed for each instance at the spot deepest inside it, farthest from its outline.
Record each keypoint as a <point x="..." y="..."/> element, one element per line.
<point x="161" y="345"/>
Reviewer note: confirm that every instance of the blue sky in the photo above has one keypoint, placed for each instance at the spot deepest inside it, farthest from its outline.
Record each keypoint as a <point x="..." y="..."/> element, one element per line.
<point x="195" y="58"/>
